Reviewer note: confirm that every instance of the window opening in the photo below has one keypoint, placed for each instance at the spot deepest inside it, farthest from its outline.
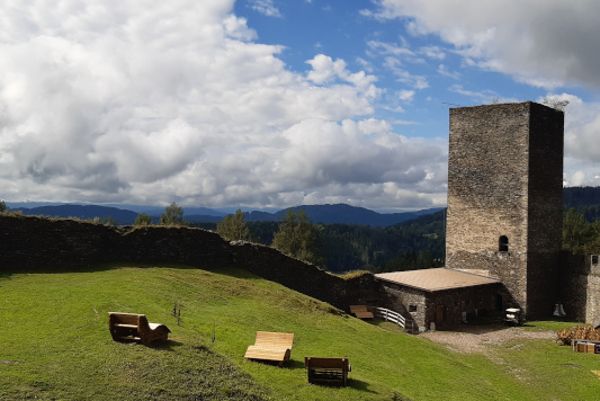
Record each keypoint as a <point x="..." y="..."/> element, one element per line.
<point x="503" y="244"/>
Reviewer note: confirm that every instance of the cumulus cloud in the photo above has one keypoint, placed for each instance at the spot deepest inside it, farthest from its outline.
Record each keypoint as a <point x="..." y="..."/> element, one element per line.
<point x="582" y="134"/>
<point x="545" y="43"/>
<point x="151" y="102"/>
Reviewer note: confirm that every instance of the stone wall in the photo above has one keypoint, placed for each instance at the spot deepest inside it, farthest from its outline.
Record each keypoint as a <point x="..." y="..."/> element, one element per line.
<point x="402" y="297"/>
<point x="505" y="179"/>
<point x="580" y="288"/>
<point x="425" y="307"/>
<point x="474" y="301"/>
<point x="40" y="244"/>
<point x="545" y="208"/>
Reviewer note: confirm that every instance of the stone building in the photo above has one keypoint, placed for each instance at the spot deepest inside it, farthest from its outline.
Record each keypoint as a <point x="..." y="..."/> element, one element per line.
<point x="504" y="223"/>
<point x="441" y="296"/>
<point x="505" y="181"/>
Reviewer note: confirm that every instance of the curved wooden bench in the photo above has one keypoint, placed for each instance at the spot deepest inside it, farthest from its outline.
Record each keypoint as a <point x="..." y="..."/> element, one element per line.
<point x="135" y="327"/>
<point x="271" y="346"/>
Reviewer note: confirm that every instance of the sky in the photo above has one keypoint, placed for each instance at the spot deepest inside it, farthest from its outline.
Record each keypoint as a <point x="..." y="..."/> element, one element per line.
<point x="269" y="103"/>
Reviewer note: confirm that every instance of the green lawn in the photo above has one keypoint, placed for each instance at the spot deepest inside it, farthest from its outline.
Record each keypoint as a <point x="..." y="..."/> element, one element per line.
<point x="54" y="345"/>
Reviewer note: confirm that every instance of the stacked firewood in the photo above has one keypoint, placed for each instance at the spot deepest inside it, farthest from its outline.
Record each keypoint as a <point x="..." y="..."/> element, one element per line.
<point x="583" y="332"/>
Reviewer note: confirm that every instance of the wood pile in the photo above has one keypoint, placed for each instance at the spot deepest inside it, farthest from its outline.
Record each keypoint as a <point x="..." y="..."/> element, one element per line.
<point x="583" y="332"/>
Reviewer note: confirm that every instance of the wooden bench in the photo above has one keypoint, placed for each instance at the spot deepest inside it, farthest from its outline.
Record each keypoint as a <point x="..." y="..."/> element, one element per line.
<point x="330" y="371"/>
<point x="588" y="346"/>
<point x="271" y="346"/>
<point x="135" y="327"/>
<point x="361" y="311"/>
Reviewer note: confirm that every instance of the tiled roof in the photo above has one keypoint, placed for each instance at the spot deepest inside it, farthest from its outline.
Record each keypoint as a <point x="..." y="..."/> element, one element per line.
<point x="436" y="279"/>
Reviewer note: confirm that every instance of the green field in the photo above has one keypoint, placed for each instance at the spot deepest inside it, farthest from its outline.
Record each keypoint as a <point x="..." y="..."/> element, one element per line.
<point x="54" y="345"/>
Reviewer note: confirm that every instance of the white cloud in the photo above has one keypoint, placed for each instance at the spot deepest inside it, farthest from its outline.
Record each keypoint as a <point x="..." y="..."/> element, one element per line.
<point x="394" y="65"/>
<point x="406" y="95"/>
<point x="545" y="43"/>
<point x="443" y="70"/>
<point x="582" y="135"/>
<point x="265" y="7"/>
<point x="484" y="96"/>
<point x="433" y="52"/>
<point x="152" y="102"/>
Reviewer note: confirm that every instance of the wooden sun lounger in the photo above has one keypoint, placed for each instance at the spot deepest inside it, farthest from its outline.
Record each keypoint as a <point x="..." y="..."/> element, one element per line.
<point x="135" y="327"/>
<point x="361" y="311"/>
<point x="271" y="346"/>
<point x="331" y="371"/>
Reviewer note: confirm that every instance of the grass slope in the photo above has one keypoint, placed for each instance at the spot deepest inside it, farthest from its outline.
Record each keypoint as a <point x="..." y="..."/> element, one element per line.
<point x="54" y="345"/>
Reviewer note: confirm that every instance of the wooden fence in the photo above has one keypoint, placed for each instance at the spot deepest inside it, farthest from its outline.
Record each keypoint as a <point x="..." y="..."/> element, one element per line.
<point x="391" y="316"/>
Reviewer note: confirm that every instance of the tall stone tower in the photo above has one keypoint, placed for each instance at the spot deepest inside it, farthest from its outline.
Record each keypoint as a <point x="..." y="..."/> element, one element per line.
<point x="505" y="180"/>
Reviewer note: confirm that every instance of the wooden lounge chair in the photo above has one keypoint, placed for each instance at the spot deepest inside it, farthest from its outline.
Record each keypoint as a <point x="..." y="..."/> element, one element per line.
<point x="271" y="346"/>
<point x="135" y="327"/>
<point x="361" y="311"/>
<point x="330" y="371"/>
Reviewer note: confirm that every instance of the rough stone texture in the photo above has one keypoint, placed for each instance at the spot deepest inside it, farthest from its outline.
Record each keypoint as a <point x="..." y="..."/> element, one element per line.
<point x="505" y="178"/>
<point x="474" y="301"/>
<point x="41" y="244"/>
<point x="402" y="297"/>
<point x="580" y="288"/>
<point x="449" y="303"/>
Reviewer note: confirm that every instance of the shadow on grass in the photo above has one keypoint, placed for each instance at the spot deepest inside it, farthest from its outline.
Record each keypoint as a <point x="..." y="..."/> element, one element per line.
<point x="236" y="272"/>
<point x="360" y="385"/>
<point x="168" y="345"/>
<point x="352" y="383"/>
<point x="294" y="364"/>
<point x="5" y="276"/>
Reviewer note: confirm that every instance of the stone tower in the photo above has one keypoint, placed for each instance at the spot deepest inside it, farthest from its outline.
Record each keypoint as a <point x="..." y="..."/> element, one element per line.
<point x="505" y="180"/>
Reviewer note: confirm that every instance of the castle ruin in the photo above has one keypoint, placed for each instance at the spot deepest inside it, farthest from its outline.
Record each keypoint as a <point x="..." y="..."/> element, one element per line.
<point x="503" y="226"/>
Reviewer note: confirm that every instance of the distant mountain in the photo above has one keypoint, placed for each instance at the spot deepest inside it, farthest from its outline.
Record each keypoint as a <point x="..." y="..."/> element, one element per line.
<point x="86" y="212"/>
<point x="202" y="218"/>
<point x="342" y="214"/>
<point x="579" y="197"/>
<point x="322" y="214"/>
<point x="158" y="210"/>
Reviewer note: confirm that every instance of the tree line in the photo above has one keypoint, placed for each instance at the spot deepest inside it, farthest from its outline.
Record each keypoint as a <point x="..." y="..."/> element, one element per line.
<point x="341" y="247"/>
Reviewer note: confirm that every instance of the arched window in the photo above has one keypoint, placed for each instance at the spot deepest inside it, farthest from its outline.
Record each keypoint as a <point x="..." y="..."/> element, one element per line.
<point x="503" y="243"/>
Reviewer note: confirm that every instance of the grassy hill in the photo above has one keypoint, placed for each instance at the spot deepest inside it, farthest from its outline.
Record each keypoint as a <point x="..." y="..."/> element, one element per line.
<point x="54" y="345"/>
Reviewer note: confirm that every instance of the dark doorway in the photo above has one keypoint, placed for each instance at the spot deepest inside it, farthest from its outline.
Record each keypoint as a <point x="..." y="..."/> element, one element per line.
<point x="499" y="303"/>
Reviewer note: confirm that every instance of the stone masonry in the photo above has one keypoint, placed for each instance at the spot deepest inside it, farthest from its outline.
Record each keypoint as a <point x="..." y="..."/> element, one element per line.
<point x="505" y="199"/>
<point x="580" y="287"/>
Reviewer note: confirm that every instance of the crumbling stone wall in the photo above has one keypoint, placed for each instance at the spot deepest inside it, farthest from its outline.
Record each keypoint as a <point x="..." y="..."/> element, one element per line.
<point x="505" y="179"/>
<point x="41" y="244"/>
<point x="580" y="288"/>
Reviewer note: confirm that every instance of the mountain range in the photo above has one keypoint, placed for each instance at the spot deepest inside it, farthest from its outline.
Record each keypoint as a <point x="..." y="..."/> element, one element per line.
<point x="322" y="214"/>
<point x="577" y="197"/>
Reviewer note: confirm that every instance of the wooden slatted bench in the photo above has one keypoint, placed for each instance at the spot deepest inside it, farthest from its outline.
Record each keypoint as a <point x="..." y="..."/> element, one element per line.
<point x="330" y="371"/>
<point x="135" y="327"/>
<point x="361" y="311"/>
<point x="588" y="346"/>
<point x="271" y="346"/>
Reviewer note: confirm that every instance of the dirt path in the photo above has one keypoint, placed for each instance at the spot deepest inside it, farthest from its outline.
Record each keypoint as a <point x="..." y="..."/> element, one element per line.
<point x="479" y="339"/>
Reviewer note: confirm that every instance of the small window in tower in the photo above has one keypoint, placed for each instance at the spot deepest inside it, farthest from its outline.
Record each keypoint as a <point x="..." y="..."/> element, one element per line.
<point x="503" y="244"/>
<point x="594" y="260"/>
<point x="412" y="308"/>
